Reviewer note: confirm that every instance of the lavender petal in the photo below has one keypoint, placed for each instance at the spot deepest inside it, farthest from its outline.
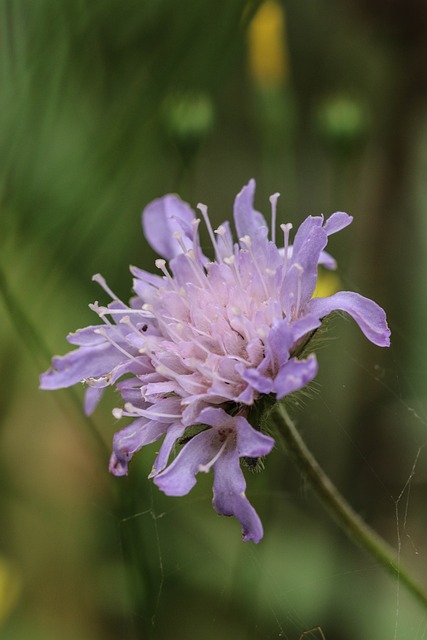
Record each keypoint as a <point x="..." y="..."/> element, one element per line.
<point x="370" y="317"/>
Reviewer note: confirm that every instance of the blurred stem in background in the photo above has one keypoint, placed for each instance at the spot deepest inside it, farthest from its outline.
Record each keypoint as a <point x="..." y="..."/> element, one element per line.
<point x="274" y="103"/>
<point x="342" y="122"/>
<point x="188" y="118"/>
<point x="346" y="518"/>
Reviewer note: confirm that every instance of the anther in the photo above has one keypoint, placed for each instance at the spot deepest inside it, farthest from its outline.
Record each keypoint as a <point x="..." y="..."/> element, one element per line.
<point x="222" y="232"/>
<point x="204" y="211"/>
<point x="178" y="237"/>
<point x="273" y="201"/>
<point x="101" y="281"/>
<point x="246" y="240"/>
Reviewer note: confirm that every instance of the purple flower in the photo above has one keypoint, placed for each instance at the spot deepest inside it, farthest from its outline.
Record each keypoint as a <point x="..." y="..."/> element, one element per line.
<point x="204" y="340"/>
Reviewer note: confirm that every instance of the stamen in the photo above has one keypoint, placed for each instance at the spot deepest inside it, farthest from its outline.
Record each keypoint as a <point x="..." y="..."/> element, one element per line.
<point x="101" y="281"/>
<point x="101" y="331"/>
<point x="273" y="201"/>
<point x="165" y="371"/>
<point x="198" y="272"/>
<point x="209" y="373"/>
<point x="161" y="264"/>
<point x="204" y="211"/>
<point x="161" y="319"/>
<point x="222" y="232"/>
<point x="178" y="237"/>
<point x="221" y="342"/>
<point x="131" y="410"/>
<point x="105" y="311"/>
<point x="127" y="321"/>
<point x="286" y="228"/>
<point x="247" y="241"/>
<point x="196" y="242"/>
<point x="100" y="312"/>
<point x="206" y="467"/>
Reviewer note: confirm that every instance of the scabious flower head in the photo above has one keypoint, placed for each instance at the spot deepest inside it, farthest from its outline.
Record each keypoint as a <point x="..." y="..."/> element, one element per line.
<point x="204" y="340"/>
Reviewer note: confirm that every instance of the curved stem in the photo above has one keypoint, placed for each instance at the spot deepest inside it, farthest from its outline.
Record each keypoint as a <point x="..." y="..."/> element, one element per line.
<point x="340" y="510"/>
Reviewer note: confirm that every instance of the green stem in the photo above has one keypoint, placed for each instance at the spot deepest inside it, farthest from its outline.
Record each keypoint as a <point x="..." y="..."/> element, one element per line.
<point x="340" y="510"/>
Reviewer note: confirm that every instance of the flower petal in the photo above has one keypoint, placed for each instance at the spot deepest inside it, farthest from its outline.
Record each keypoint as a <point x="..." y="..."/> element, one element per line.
<point x="230" y="499"/>
<point x="250" y="442"/>
<point x="337" y="221"/>
<point x="327" y="261"/>
<point x="86" y="337"/>
<point x="248" y="221"/>
<point x="92" y="397"/>
<point x="300" y="280"/>
<point x="131" y="439"/>
<point x="256" y="380"/>
<point x="180" y="476"/>
<point x="284" y="338"/>
<point x="294" y="375"/>
<point x="303" y="232"/>
<point x="370" y="317"/>
<point x="174" y="432"/>
<point x="85" y="362"/>
<point x="162" y="218"/>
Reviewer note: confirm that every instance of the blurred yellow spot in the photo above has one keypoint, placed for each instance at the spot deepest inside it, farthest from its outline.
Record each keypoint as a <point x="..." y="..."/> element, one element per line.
<point x="10" y="588"/>
<point x="268" y="59"/>
<point x="327" y="283"/>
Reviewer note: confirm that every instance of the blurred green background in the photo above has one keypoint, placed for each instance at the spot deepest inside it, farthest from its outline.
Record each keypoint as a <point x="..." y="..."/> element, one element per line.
<point x="106" y="105"/>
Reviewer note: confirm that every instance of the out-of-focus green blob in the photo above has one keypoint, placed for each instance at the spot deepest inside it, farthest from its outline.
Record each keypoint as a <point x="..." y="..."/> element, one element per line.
<point x="342" y="122"/>
<point x="188" y="118"/>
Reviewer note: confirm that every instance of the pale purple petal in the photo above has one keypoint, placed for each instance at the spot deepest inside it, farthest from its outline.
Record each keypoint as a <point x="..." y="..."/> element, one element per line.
<point x="180" y="476"/>
<point x="174" y="432"/>
<point x="257" y="380"/>
<point x="92" y="397"/>
<point x="110" y="377"/>
<point x="130" y="440"/>
<point x="215" y="417"/>
<point x="230" y="499"/>
<point x="117" y="466"/>
<point x="85" y="362"/>
<point x="162" y="218"/>
<point x="250" y="442"/>
<point x="150" y="278"/>
<point x="303" y="232"/>
<point x="301" y="278"/>
<point x="294" y="375"/>
<point x="145" y="284"/>
<point x="247" y="396"/>
<point x="87" y="337"/>
<point x="337" y="221"/>
<point x="327" y="261"/>
<point x="284" y="337"/>
<point x="248" y="221"/>
<point x="370" y="317"/>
